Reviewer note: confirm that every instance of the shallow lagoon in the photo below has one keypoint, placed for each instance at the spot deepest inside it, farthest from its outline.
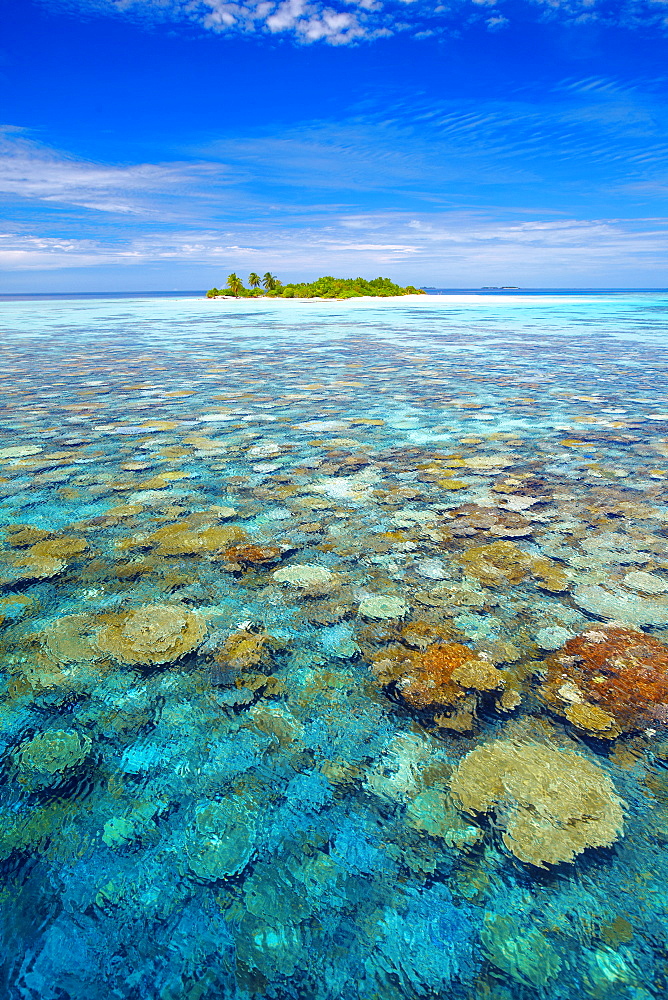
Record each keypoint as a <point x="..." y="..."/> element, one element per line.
<point x="289" y="709"/>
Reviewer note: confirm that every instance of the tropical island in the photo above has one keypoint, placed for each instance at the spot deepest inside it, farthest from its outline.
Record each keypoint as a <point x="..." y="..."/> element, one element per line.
<point x="269" y="286"/>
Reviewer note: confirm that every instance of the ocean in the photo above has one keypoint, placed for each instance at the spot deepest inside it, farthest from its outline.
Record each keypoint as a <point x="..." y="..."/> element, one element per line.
<point x="334" y="647"/>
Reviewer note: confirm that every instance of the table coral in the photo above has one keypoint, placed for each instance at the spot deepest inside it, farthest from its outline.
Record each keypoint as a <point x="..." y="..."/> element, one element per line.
<point x="308" y="578"/>
<point x="608" y="679"/>
<point x="62" y="547"/>
<point x="245" y="649"/>
<point x="432" y="811"/>
<point x="69" y="639"/>
<point x="503" y="563"/>
<point x="550" y="804"/>
<point x="35" y="567"/>
<point x="185" y="540"/>
<point x="20" y="536"/>
<point x="524" y="954"/>
<point x="153" y="634"/>
<point x="425" y="944"/>
<point x="382" y="606"/>
<point x="32" y="830"/>
<point x="618" y="605"/>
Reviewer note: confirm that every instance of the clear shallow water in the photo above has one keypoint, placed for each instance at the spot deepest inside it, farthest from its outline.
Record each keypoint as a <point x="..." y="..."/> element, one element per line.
<point x="245" y="544"/>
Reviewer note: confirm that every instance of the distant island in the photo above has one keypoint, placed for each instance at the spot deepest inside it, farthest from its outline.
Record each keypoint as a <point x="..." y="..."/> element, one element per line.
<point x="269" y="286"/>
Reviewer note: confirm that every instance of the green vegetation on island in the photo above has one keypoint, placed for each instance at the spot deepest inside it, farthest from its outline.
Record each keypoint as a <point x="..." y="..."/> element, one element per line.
<point x="323" y="288"/>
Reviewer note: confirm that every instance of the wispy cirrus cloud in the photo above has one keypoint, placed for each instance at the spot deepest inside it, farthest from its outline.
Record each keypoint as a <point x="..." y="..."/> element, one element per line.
<point x="32" y="171"/>
<point x="587" y="138"/>
<point x="440" y="248"/>
<point x="345" y="22"/>
<point x="426" y="190"/>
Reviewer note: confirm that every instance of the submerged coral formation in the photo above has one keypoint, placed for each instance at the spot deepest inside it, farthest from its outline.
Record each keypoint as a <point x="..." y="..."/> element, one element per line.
<point x="183" y="539"/>
<point x="446" y="678"/>
<point x="525" y="955"/>
<point x="253" y="555"/>
<point x="505" y="564"/>
<point x="550" y="804"/>
<point x="153" y="634"/>
<point x="301" y="695"/>
<point x="220" y="843"/>
<point x="48" y="755"/>
<point x="308" y="578"/>
<point x="609" y="679"/>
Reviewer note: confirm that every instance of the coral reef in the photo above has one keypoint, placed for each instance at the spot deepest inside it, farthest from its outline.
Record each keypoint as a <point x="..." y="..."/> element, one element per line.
<point x="32" y="566"/>
<point x="70" y="639"/>
<point x="526" y="955"/>
<point x="446" y="678"/>
<point x="550" y="804"/>
<point x="48" y="755"/>
<point x="608" y="679"/>
<point x="433" y="811"/>
<point x="253" y="555"/>
<point x="502" y="564"/>
<point x="424" y="942"/>
<point x="186" y="540"/>
<point x="316" y="580"/>
<point x="220" y="843"/>
<point x="383" y="606"/>
<point x="246" y="648"/>
<point x="244" y="663"/>
<point x="270" y="594"/>
<point x="618" y="605"/>
<point x="153" y="634"/>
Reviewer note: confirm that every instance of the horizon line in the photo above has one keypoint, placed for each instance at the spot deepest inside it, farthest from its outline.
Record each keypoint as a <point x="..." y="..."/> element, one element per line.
<point x="427" y="288"/>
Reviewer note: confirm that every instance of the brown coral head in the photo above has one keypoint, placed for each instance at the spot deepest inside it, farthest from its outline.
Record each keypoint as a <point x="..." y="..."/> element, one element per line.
<point x="253" y="555"/>
<point x="439" y="676"/>
<point x="245" y="649"/>
<point x="503" y="563"/>
<point x="185" y="540"/>
<point x="613" y="670"/>
<point x="153" y="634"/>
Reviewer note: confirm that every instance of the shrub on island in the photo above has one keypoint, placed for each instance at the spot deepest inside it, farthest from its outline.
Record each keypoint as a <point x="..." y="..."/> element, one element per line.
<point x="323" y="288"/>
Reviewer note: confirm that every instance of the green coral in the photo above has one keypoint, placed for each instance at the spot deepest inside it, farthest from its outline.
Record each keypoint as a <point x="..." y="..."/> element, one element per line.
<point x="118" y="831"/>
<point x="136" y="824"/>
<point x="32" y="831"/>
<point x="47" y="756"/>
<point x="433" y="812"/>
<point x="526" y="956"/>
<point x="221" y="841"/>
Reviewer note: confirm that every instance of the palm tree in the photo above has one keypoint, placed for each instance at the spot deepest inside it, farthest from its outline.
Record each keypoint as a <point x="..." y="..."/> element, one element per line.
<point x="269" y="281"/>
<point x="254" y="280"/>
<point x="235" y="284"/>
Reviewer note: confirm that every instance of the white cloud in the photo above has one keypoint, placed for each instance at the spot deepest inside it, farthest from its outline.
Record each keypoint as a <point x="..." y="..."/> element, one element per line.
<point x="446" y="249"/>
<point x="332" y="21"/>
<point x="294" y="198"/>
<point x="26" y="253"/>
<point x="32" y="171"/>
<point x="591" y="138"/>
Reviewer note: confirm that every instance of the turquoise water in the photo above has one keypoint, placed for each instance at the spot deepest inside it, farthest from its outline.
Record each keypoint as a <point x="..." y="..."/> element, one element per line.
<point x="288" y="706"/>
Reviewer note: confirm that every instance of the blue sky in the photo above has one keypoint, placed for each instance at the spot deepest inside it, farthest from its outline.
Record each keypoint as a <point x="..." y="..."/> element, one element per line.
<point x="161" y="144"/>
